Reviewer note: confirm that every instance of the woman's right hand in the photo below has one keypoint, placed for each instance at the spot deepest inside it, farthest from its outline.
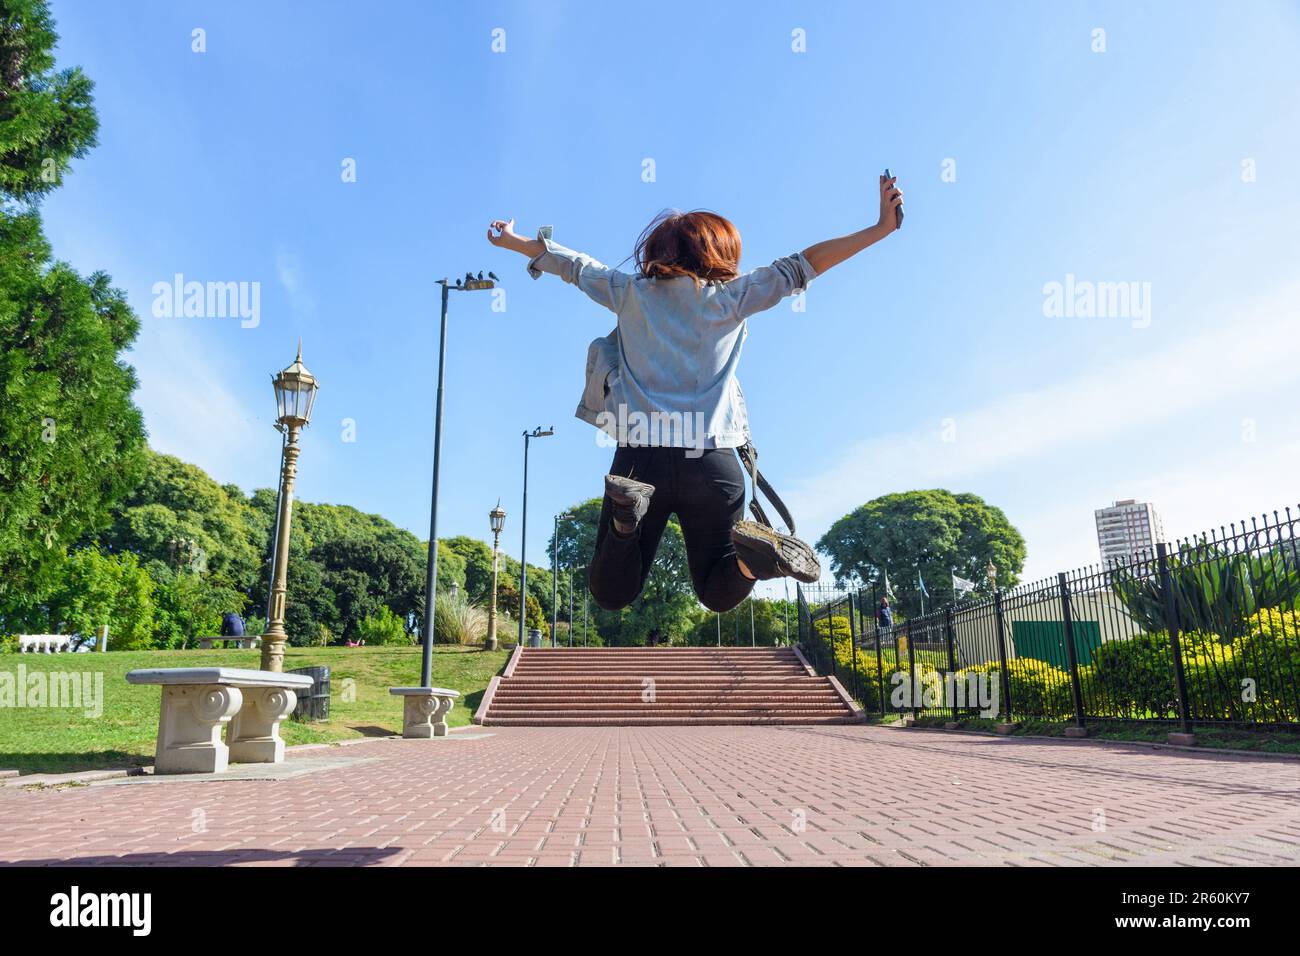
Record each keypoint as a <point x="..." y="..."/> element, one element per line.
<point x="501" y="232"/>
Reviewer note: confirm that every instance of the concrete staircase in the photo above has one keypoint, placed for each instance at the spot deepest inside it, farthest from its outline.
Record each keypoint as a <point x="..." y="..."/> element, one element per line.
<point x="647" y="686"/>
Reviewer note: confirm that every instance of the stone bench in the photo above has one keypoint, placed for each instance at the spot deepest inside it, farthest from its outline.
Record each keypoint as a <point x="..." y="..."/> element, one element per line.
<point x="198" y="701"/>
<point x="63" y="643"/>
<point x="206" y="643"/>
<point x="424" y="713"/>
<point x="44" y="643"/>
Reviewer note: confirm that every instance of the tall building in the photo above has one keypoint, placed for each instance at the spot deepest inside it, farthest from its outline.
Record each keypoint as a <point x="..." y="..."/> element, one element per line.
<point x="1127" y="530"/>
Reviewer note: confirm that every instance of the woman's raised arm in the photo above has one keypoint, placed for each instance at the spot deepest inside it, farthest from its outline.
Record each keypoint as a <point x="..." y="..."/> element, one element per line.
<point x="501" y="233"/>
<point x="832" y="252"/>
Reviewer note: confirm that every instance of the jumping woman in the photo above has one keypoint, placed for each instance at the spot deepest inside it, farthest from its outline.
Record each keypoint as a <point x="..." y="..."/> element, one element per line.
<point x="672" y="359"/>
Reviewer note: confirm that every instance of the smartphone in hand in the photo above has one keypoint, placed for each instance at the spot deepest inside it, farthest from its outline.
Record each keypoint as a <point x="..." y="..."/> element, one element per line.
<point x="897" y="209"/>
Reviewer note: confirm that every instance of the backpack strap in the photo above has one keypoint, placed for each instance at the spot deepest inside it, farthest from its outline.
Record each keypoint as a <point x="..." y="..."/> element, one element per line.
<point x="749" y="458"/>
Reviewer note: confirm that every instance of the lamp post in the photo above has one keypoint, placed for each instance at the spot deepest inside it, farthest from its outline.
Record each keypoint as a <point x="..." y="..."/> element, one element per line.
<point x="555" y="578"/>
<point x="468" y="284"/>
<point x="787" y="611"/>
<point x="275" y="534"/>
<point x="497" y="517"/>
<point x="786" y="581"/>
<point x="572" y="574"/>
<point x="295" y="394"/>
<point x="523" y="531"/>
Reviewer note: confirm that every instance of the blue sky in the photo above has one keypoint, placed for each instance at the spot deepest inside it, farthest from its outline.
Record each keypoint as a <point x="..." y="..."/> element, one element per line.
<point x="928" y="361"/>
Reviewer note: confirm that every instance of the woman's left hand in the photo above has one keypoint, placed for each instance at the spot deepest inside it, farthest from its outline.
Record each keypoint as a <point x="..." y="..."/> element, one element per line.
<point x="890" y="199"/>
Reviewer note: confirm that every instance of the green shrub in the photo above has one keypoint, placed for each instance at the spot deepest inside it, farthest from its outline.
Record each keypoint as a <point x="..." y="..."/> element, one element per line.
<point x="456" y="621"/>
<point x="1256" y="677"/>
<point x="837" y="627"/>
<point x="1135" y="677"/>
<point x="382" y="627"/>
<point x="872" y="673"/>
<point x="1252" y="678"/>
<point x="1038" y="689"/>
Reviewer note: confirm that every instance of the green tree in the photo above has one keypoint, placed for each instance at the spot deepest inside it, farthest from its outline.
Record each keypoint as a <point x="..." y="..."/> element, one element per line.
<point x="368" y="573"/>
<point x="95" y="589"/>
<point x="768" y="625"/>
<point x="190" y="604"/>
<point x="178" y="502"/>
<point x="933" y="533"/>
<point x="343" y="565"/>
<point x="47" y="116"/>
<point x="310" y="605"/>
<point x="71" y="441"/>
<point x="477" y="558"/>
<point x="508" y="603"/>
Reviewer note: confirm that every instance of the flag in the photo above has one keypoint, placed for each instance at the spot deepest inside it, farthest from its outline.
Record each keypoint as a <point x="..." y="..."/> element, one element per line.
<point x="921" y="583"/>
<point x="889" y="588"/>
<point x="961" y="587"/>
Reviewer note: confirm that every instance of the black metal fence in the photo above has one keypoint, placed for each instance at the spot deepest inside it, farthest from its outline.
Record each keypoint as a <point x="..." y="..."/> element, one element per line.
<point x="1203" y="632"/>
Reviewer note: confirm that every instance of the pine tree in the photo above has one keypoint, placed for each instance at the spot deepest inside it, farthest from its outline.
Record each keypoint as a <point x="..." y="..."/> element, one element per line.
<point x="71" y="439"/>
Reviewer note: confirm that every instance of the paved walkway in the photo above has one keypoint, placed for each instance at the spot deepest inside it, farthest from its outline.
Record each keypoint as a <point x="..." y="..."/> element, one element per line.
<point x="731" y="796"/>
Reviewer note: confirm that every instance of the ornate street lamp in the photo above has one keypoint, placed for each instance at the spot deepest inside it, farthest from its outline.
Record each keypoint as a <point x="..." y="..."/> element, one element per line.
<point x="497" y="517"/>
<point x="295" y="394"/>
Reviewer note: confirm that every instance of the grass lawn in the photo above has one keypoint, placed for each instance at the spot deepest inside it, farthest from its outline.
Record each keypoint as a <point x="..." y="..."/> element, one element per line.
<point x="50" y="740"/>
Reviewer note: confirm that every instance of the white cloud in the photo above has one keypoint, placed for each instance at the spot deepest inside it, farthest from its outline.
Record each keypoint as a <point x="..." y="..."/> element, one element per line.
<point x="1253" y="348"/>
<point x="189" y="409"/>
<point x="288" y="270"/>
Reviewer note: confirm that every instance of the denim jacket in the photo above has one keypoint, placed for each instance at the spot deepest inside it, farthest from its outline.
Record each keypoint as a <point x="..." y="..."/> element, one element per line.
<point x="666" y="375"/>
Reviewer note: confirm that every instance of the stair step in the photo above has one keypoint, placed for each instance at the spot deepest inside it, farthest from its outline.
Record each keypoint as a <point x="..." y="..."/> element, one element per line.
<point x="574" y="687"/>
<point x="661" y="721"/>
<point x="503" y="696"/>
<point x="506" y="710"/>
<point x="664" y="683"/>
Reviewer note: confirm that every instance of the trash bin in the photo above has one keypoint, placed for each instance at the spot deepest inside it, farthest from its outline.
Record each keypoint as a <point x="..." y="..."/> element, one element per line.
<point x="534" y="637"/>
<point x="313" y="702"/>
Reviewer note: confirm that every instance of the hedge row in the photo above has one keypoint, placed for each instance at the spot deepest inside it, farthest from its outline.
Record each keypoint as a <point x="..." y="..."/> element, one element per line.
<point x="1255" y="678"/>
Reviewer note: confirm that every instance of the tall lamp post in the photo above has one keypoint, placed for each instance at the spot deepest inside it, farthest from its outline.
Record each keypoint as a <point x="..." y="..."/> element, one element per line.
<point x="497" y="517"/>
<point x="555" y="579"/>
<point x="275" y="534"/>
<point x="468" y="284"/>
<point x="537" y="432"/>
<point x="787" y="611"/>
<point x="295" y="394"/>
<point x="573" y="572"/>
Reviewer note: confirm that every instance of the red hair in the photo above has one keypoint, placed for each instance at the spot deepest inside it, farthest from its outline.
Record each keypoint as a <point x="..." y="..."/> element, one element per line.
<point x="699" y="244"/>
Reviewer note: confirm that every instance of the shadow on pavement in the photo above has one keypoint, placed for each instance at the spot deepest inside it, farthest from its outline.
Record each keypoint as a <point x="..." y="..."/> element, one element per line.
<point x="351" y="856"/>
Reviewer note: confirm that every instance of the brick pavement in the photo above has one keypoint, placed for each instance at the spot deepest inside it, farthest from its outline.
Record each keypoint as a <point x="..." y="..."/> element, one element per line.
<point x="689" y="796"/>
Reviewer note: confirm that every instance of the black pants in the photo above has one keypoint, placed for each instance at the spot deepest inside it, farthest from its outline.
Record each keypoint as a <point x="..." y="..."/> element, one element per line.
<point x="708" y="494"/>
